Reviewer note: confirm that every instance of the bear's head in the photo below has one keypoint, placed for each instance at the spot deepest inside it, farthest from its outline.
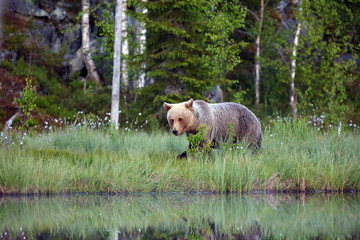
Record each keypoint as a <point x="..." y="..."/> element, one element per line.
<point x="180" y="116"/>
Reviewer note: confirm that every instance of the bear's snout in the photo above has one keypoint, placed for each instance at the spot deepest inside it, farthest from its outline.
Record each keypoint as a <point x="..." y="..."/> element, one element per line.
<point x="175" y="132"/>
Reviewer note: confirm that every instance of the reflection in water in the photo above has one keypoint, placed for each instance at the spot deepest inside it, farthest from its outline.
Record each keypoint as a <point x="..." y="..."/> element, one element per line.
<point x="179" y="216"/>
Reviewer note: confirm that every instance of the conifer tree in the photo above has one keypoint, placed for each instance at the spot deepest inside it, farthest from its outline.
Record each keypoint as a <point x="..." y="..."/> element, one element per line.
<point x="189" y="46"/>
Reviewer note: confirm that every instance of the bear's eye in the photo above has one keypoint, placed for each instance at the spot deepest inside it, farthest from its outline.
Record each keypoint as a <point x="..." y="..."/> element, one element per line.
<point x="180" y="119"/>
<point x="171" y="121"/>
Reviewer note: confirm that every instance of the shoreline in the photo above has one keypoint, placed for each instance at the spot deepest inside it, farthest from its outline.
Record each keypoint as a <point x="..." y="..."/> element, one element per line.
<point x="295" y="158"/>
<point x="254" y="192"/>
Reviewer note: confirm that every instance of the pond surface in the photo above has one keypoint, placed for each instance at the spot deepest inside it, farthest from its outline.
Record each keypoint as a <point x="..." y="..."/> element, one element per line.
<point x="181" y="216"/>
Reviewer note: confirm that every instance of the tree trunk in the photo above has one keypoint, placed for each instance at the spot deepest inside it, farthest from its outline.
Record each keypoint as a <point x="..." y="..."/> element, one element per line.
<point x="125" y="46"/>
<point x="10" y="121"/>
<point x="293" y="98"/>
<point x="85" y="25"/>
<point x="116" y="234"/>
<point x="115" y="94"/>
<point x="140" y="40"/>
<point x="257" y="57"/>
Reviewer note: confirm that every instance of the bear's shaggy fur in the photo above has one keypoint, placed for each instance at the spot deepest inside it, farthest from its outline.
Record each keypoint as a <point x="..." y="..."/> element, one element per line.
<point x="188" y="116"/>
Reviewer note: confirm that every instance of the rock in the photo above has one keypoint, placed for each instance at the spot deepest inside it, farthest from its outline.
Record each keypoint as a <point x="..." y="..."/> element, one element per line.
<point x="8" y="55"/>
<point x="26" y="8"/>
<point x="77" y="63"/>
<point x="273" y="182"/>
<point x="52" y="29"/>
<point x="58" y="14"/>
<point x="215" y="94"/>
<point x="51" y="38"/>
<point x="72" y="37"/>
<point x="65" y="5"/>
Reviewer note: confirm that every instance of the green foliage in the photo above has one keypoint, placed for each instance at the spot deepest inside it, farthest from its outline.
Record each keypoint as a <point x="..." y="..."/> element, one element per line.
<point x="14" y="31"/>
<point x="27" y="103"/>
<point x="2" y="116"/>
<point x="240" y="96"/>
<point x="275" y="67"/>
<point x="223" y="19"/>
<point x="53" y="102"/>
<point x="106" y="24"/>
<point x="231" y="143"/>
<point x="198" y="143"/>
<point x="27" y="98"/>
<point x="106" y="29"/>
<point x="189" y="44"/>
<point x="322" y="73"/>
<point x="325" y="62"/>
<point x="193" y="45"/>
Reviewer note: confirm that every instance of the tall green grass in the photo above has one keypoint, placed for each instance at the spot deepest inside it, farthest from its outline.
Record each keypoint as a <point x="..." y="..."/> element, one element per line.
<point x="294" y="157"/>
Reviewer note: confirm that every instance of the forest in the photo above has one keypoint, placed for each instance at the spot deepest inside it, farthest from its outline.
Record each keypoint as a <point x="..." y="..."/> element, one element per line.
<point x="65" y="64"/>
<point x="297" y="58"/>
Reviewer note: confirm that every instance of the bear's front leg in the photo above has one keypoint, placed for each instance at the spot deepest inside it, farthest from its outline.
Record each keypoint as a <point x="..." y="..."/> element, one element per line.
<point x="183" y="155"/>
<point x="208" y="144"/>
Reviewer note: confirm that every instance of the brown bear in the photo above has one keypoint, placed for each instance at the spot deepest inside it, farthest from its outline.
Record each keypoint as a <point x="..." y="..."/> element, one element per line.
<point x="187" y="117"/>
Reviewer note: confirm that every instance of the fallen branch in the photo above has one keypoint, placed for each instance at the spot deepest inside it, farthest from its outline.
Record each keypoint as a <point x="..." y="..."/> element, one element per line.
<point x="10" y="121"/>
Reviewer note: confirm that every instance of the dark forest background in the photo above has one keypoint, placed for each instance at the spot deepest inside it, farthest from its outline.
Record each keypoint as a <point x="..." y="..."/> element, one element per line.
<point x="178" y="49"/>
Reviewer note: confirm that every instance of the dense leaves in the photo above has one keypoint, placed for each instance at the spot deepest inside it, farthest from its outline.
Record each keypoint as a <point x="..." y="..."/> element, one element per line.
<point x="190" y="46"/>
<point x="326" y="57"/>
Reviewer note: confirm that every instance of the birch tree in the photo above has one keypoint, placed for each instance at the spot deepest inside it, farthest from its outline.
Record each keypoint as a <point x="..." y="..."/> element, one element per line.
<point x="326" y="59"/>
<point x="89" y="62"/>
<point x="257" y="56"/>
<point x="140" y="32"/>
<point x="115" y="94"/>
<point x="293" y="99"/>
<point x="124" y="46"/>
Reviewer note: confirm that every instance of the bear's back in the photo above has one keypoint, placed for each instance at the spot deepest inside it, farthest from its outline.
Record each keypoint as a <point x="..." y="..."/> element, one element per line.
<point x="219" y="116"/>
<point x="222" y="111"/>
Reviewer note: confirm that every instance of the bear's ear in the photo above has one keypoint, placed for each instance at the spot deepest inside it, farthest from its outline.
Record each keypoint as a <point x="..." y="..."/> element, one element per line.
<point x="189" y="103"/>
<point x="167" y="106"/>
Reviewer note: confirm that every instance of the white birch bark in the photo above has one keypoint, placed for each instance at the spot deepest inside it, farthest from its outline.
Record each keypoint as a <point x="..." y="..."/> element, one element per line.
<point x="293" y="64"/>
<point x="257" y="57"/>
<point x="116" y="234"/>
<point x="138" y="29"/>
<point x="89" y="63"/>
<point x="125" y="46"/>
<point x="142" y="49"/>
<point x="115" y="93"/>
<point x="10" y="121"/>
<point x="141" y="40"/>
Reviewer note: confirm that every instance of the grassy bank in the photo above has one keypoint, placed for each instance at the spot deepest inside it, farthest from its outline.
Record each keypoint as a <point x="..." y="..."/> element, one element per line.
<point x="294" y="156"/>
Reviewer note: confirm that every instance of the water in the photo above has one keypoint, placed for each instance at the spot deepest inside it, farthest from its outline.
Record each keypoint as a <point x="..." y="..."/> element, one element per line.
<point x="179" y="216"/>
